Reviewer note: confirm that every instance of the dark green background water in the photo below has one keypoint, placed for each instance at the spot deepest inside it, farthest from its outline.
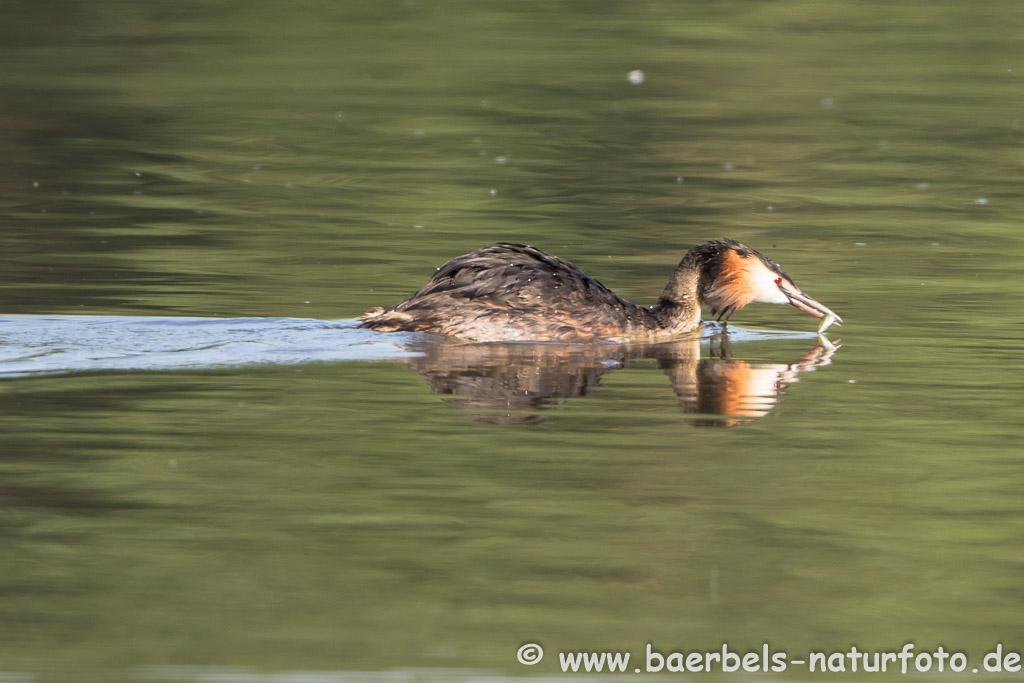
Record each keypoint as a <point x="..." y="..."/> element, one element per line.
<point x="313" y="159"/>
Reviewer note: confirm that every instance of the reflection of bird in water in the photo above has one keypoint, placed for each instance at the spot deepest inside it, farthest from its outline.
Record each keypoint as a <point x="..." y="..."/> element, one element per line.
<point x="731" y="392"/>
<point x="515" y="383"/>
<point x="511" y="292"/>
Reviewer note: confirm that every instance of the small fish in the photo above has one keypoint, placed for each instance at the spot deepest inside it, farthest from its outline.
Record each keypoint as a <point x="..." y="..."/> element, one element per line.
<point x="826" y="322"/>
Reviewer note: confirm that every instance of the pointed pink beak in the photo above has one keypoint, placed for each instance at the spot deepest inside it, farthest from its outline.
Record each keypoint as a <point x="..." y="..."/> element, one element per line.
<point x="809" y="305"/>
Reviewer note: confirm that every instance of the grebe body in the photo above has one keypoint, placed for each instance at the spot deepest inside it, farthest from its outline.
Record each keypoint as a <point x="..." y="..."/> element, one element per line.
<point x="514" y="292"/>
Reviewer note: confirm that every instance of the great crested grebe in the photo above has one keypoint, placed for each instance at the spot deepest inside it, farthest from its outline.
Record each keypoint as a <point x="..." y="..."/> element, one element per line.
<point x="514" y="292"/>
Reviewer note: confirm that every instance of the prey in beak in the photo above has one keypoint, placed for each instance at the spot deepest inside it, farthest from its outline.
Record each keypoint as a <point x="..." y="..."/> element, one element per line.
<point x="809" y="305"/>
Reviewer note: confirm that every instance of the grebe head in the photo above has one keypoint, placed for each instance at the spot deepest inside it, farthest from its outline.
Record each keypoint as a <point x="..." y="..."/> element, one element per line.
<point x="735" y="275"/>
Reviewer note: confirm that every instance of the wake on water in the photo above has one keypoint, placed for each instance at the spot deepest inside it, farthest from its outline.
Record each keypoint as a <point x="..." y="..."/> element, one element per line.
<point x="60" y="344"/>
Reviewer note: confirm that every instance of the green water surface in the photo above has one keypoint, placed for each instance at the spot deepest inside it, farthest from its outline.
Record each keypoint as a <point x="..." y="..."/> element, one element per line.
<point x="314" y="159"/>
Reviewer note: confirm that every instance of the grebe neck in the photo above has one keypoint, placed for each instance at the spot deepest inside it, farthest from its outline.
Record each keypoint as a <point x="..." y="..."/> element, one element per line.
<point x="678" y="307"/>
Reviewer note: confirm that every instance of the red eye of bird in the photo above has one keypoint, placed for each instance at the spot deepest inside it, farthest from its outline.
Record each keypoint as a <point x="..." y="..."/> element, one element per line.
<point x="778" y="280"/>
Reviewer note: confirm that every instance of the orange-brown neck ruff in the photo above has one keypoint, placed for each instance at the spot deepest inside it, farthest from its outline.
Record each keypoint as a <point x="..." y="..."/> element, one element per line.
<point x="732" y="287"/>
